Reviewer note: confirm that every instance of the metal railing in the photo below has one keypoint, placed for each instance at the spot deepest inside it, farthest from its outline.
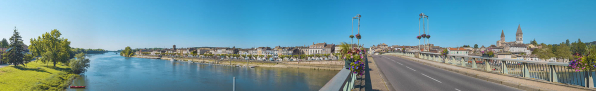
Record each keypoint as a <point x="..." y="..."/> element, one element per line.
<point x="342" y="81"/>
<point x="549" y="71"/>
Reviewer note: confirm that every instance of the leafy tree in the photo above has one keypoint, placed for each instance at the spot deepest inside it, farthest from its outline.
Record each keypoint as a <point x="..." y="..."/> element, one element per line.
<point x="578" y="47"/>
<point x="16" y="53"/>
<point x="545" y="52"/>
<point x="563" y="52"/>
<point x="51" y="47"/>
<point x="79" y="64"/>
<point x="127" y="52"/>
<point x="533" y="42"/>
<point x="567" y="42"/>
<point x="490" y="54"/>
<point x="4" y="43"/>
<point x="27" y="58"/>
<point x="194" y="53"/>
<point x="282" y="57"/>
<point x="475" y="45"/>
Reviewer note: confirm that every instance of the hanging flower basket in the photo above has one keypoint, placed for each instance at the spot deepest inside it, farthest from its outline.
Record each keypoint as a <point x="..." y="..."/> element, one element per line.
<point x="353" y="59"/>
<point x="428" y="36"/>
<point x="423" y="35"/>
<point x="351" y="36"/>
<point x="418" y="37"/>
<point x="358" y="36"/>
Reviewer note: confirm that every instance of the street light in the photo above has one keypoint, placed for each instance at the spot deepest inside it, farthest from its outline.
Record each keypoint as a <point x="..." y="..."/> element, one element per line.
<point x="356" y="17"/>
<point x="352" y="36"/>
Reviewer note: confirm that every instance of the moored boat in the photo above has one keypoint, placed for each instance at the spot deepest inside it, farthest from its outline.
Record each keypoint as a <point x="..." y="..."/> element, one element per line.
<point x="77" y="86"/>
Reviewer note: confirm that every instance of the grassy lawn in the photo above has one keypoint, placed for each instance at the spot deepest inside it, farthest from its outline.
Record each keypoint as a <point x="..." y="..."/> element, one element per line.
<point x="36" y="76"/>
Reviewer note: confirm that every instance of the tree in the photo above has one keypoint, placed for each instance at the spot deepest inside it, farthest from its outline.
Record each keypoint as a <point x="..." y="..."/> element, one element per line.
<point x="51" y="47"/>
<point x="4" y="43"/>
<point x="79" y="64"/>
<point x="475" y="45"/>
<point x="544" y="53"/>
<point x="567" y="42"/>
<point x="16" y="53"/>
<point x="194" y="53"/>
<point x="533" y="42"/>
<point x="127" y="52"/>
<point x="578" y="47"/>
<point x="261" y="56"/>
<point x="563" y="52"/>
<point x="27" y="58"/>
<point x="282" y="57"/>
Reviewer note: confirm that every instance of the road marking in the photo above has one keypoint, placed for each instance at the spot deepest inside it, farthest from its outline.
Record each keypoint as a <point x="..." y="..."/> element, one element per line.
<point x="457" y="89"/>
<point x="410" y="68"/>
<point x="431" y="78"/>
<point x="395" y="61"/>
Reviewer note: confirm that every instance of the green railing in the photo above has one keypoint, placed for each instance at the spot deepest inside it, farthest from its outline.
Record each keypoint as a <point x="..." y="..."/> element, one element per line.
<point x="342" y="81"/>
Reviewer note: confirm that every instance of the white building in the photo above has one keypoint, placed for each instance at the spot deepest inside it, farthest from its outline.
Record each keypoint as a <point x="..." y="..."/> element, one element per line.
<point x="458" y="51"/>
<point x="519" y="48"/>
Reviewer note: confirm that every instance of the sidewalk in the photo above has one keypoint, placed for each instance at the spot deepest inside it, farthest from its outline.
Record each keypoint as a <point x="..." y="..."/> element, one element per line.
<point x="372" y="80"/>
<point x="3" y="65"/>
<point x="516" y="82"/>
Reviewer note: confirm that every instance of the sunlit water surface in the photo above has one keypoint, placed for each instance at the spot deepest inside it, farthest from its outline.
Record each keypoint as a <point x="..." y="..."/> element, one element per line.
<point x="111" y="72"/>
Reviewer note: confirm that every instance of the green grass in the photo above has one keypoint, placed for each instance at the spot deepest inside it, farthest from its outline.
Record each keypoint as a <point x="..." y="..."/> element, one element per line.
<point x="36" y="76"/>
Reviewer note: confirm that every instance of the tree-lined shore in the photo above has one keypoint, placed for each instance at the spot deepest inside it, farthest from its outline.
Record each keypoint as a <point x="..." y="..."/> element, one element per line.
<point x="48" y="64"/>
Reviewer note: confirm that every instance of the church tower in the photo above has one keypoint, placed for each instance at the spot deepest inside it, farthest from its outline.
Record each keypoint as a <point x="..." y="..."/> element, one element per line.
<point x="519" y="36"/>
<point x="502" y="36"/>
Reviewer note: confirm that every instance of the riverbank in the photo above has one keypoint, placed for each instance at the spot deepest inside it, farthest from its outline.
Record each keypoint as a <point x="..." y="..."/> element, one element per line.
<point x="36" y="76"/>
<point x="315" y="65"/>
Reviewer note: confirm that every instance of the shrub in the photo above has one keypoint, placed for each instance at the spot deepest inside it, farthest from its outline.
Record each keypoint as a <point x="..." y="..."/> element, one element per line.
<point x="79" y="64"/>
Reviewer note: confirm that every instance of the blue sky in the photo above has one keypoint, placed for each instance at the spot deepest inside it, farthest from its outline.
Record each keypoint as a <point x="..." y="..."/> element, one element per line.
<point x="115" y="24"/>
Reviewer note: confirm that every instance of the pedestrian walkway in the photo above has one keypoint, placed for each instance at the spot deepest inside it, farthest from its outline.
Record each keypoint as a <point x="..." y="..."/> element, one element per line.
<point x="3" y="65"/>
<point x="516" y="82"/>
<point x="372" y="80"/>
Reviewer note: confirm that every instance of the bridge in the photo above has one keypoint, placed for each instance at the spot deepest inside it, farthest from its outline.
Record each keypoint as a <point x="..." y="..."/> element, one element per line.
<point x="424" y="71"/>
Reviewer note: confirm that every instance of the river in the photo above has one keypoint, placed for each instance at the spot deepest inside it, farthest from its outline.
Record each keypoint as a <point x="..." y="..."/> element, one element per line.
<point x="111" y="72"/>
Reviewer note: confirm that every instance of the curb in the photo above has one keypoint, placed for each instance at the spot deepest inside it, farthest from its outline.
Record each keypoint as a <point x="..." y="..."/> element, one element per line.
<point x="506" y="83"/>
<point x="387" y="84"/>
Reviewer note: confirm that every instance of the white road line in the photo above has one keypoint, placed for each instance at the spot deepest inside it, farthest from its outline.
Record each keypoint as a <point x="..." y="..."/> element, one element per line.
<point x="431" y="78"/>
<point x="457" y="89"/>
<point x="395" y="61"/>
<point x="410" y="68"/>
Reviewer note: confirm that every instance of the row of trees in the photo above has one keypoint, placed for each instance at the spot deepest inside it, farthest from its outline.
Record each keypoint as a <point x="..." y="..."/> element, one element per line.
<point x="86" y="51"/>
<point x="244" y="56"/>
<point x="564" y="50"/>
<point x="48" y="48"/>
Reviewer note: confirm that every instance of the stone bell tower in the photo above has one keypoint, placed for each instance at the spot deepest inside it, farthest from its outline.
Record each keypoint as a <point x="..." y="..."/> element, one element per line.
<point x="519" y="36"/>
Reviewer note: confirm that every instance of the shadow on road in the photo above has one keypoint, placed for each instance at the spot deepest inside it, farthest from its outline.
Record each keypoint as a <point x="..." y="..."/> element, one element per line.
<point x="363" y="82"/>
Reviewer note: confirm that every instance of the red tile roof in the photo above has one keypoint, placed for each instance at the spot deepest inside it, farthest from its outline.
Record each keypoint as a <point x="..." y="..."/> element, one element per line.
<point x="457" y="49"/>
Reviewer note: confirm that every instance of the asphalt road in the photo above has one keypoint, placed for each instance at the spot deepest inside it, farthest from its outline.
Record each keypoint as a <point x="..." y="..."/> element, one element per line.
<point x="406" y="75"/>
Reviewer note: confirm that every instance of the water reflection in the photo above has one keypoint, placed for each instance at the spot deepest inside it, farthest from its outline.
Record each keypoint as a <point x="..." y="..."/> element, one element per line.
<point x="109" y="72"/>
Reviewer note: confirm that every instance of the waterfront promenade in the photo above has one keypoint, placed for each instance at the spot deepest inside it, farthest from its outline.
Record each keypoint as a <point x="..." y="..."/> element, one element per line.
<point x="311" y="64"/>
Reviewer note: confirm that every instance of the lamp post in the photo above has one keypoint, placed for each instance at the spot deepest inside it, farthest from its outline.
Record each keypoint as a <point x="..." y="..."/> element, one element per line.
<point x="358" y="35"/>
<point x="422" y="16"/>
<point x="352" y="36"/>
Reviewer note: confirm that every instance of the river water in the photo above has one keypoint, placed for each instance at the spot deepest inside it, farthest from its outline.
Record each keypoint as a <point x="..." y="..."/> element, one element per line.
<point x="111" y="72"/>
